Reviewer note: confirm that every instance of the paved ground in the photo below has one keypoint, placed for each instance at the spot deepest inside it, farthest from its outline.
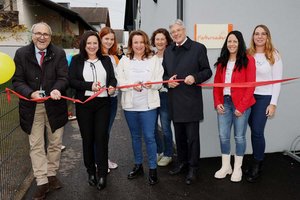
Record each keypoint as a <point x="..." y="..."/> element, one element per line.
<point x="281" y="179"/>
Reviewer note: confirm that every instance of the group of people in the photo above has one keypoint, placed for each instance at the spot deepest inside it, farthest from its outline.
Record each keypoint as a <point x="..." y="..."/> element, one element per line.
<point x="41" y="70"/>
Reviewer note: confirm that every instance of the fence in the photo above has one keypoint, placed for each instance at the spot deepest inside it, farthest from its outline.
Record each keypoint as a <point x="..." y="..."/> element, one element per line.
<point x="15" y="162"/>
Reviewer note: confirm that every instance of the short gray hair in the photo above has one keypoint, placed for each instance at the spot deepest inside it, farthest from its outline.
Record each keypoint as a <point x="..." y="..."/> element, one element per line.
<point x="178" y="22"/>
<point x="41" y="23"/>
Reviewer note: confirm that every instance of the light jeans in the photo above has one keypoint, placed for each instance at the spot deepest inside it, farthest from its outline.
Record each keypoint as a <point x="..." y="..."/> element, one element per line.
<point x="225" y="122"/>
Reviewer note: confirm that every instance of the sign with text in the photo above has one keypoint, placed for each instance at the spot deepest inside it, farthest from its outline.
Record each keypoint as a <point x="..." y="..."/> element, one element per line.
<point x="212" y="35"/>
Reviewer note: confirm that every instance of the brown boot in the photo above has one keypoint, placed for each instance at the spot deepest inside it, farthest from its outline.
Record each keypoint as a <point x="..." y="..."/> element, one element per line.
<point x="54" y="183"/>
<point x="41" y="191"/>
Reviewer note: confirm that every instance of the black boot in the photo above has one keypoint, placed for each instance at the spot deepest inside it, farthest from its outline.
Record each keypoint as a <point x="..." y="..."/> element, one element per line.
<point x="136" y="171"/>
<point x="153" y="176"/>
<point x="191" y="176"/>
<point x="179" y="168"/>
<point x="254" y="172"/>
<point x="92" y="180"/>
<point x="101" y="183"/>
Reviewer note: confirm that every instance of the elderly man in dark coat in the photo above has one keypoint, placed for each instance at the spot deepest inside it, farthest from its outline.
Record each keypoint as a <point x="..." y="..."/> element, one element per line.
<point x="186" y="59"/>
<point x="41" y="70"/>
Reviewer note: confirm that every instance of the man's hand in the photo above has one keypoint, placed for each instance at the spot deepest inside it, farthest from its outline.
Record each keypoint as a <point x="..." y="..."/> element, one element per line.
<point x="189" y="80"/>
<point x="173" y="84"/>
<point x="35" y="95"/>
<point x="55" y="94"/>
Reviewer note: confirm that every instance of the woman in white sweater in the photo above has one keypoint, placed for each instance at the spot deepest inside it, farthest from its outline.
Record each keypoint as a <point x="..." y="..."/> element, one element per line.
<point x="268" y="68"/>
<point x="140" y="103"/>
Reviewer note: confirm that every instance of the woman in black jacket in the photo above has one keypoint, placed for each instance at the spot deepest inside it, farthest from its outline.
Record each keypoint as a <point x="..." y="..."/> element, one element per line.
<point x="89" y="71"/>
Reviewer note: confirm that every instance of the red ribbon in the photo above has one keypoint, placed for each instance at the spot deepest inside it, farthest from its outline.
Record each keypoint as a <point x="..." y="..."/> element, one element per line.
<point x="246" y="84"/>
<point x="238" y="85"/>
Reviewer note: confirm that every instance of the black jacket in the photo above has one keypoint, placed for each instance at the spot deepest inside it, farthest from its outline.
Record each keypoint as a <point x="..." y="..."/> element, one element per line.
<point x="28" y="78"/>
<point x="185" y="101"/>
<point x="76" y="75"/>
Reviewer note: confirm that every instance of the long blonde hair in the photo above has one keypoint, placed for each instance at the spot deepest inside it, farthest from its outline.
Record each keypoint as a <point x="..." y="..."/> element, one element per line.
<point x="269" y="51"/>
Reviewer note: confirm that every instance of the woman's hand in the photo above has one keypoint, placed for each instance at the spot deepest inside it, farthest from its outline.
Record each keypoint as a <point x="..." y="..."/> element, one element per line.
<point x="96" y="87"/>
<point x="111" y="90"/>
<point x="237" y="113"/>
<point x="270" y="111"/>
<point x="220" y="109"/>
<point x="139" y="87"/>
<point x="146" y="85"/>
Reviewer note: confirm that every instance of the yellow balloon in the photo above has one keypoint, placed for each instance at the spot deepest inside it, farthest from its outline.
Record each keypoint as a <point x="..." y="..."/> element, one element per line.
<point x="7" y="67"/>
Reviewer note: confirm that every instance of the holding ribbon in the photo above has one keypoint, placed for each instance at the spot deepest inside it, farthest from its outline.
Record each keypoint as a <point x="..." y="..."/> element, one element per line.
<point x="238" y="85"/>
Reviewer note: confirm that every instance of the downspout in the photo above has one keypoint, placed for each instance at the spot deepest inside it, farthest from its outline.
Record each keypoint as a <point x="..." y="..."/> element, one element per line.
<point x="11" y="5"/>
<point x="180" y="9"/>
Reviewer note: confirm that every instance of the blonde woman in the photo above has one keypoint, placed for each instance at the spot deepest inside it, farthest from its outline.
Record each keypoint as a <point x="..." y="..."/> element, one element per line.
<point x="268" y="68"/>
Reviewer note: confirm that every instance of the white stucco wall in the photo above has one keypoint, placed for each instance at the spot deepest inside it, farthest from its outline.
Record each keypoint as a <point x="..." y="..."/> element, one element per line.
<point x="282" y="18"/>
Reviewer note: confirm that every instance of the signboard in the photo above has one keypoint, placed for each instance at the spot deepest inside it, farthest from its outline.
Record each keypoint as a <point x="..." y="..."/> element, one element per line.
<point x="212" y="35"/>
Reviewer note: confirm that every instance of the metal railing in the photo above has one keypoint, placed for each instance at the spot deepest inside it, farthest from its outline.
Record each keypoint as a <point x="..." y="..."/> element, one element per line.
<point x="15" y="162"/>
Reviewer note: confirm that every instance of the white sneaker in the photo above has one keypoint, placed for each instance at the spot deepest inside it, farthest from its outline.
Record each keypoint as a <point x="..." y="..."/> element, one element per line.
<point x="159" y="156"/>
<point x="112" y="165"/>
<point x="71" y="117"/>
<point x="164" y="161"/>
<point x="63" y="147"/>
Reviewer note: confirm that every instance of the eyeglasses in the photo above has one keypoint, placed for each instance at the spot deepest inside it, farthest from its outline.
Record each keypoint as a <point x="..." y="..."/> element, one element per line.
<point x="45" y="35"/>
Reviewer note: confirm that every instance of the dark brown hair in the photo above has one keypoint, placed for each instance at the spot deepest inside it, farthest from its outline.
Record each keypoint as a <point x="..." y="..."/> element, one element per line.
<point x="83" y="40"/>
<point x="164" y="32"/>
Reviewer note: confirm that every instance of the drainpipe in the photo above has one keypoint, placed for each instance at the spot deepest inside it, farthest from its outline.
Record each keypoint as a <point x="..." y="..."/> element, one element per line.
<point x="180" y="9"/>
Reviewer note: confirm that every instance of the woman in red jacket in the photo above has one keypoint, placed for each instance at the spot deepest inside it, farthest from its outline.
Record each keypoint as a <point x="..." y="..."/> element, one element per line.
<point x="233" y="104"/>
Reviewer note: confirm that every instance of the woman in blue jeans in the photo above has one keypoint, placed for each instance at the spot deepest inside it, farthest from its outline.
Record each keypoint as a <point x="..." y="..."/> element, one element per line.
<point x="161" y="39"/>
<point x="268" y="68"/>
<point x="233" y="104"/>
<point x="140" y="103"/>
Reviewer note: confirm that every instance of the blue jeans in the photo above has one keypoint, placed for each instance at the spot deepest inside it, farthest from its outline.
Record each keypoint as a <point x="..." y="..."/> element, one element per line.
<point x="143" y="122"/>
<point x="225" y="122"/>
<point x="165" y="146"/>
<point x="257" y="122"/>
<point x="113" y="112"/>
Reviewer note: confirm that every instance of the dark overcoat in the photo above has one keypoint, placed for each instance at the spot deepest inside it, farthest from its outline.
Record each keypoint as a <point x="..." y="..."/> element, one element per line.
<point x="30" y="75"/>
<point x="185" y="101"/>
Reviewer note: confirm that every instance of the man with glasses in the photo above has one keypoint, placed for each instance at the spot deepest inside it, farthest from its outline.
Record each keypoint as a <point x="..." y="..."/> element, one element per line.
<point x="41" y="70"/>
<point x="187" y="60"/>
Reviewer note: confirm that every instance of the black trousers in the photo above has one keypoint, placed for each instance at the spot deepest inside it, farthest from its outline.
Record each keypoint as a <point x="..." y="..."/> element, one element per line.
<point x="93" y="121"/>
<point x="188" y="142"/>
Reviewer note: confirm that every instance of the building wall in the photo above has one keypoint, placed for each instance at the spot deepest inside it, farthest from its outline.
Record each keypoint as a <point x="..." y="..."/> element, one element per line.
<point x="282" y="17"/>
